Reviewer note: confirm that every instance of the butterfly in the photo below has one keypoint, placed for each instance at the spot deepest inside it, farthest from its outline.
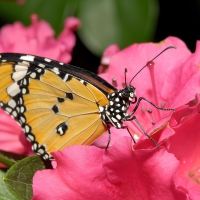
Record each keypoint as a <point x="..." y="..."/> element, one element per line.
<point x="59" y="105"/>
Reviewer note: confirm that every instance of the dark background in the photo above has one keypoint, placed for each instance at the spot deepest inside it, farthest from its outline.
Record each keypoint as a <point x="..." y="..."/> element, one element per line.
<point x="176" y="18"/>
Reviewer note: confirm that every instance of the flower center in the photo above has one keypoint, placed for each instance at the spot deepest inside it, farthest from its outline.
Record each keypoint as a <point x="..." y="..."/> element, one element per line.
<point x="114" y="82"/>
<point x="195" y="174"/>
<point x="149" y="114"/>
<point x="150" y="66"/>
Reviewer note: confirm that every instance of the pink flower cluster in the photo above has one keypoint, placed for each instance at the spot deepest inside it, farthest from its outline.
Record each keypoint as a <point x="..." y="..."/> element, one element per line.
<point x="38" y="39"/>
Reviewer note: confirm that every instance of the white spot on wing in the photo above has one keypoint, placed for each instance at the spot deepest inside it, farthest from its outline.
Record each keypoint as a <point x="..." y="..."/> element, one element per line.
<point x="8" y="109"/>
<point x="22" y="109"/>
<point x="14" y="114"/>
<point x="12" y="103"/>
<point x="34" y="146"/>
<point x="13" y="89"/>
<point x="17" y="108"/>
<point x="82" y="81"/>
<point x="24" y="82"/>
<point x="101" y="109"/>
<point x="21" y="67"/>
<point x="20" y="100"/>
<point x="30" y="138"/>
<point x="27" y="129"/>
<point x="41" y="65"/>
<point x="47" y="60"/>
<point x="56" y="70"/>
<point x="23" y="91"/>
<point x="40" y="151"/>
<point x="22" y="119"/>
<point x="33" y="75"/>
<point x="45" y="157"/>
<point x="39" y="70"/>
<point x="66" y="77"/>
<point x="18" y="75"/>
<point x="27" y="57"/>
<point x="25" y="63"/>
<point x="60" y="130"/>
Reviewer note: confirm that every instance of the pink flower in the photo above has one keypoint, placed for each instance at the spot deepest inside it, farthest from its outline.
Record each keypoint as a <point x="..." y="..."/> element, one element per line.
<point x="185" y="145"/>
<point x="38" y="39"/>
<point x="107" y="54"/>
<point x="171" y="82"/>
<point x="181" y="137"/>
<point x="12" y="136"/>
<point x="142" y="171"/>
<point x="91" y="173"/>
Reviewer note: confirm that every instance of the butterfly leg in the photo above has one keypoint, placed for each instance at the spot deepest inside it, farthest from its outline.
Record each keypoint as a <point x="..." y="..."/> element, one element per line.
<point x="141" y="127"/>
<point x="109" y="138"/>
<point x="126" y="127"/>
<point x="142" y="98"/>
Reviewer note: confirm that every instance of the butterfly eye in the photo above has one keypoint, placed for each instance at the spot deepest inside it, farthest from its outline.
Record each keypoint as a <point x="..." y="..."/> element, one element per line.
<point x="131" y="94"/>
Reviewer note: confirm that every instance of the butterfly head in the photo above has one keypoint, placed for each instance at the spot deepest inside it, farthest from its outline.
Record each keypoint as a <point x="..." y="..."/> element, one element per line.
<point x="128" y="93"/>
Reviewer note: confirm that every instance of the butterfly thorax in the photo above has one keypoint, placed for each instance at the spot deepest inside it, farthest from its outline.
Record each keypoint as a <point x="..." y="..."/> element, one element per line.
<point x="116" y="112"/>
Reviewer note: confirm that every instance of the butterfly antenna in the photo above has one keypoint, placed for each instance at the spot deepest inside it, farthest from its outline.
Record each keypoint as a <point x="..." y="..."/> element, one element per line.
<point x="170" y="47"/>
<point x="125" y="71"/>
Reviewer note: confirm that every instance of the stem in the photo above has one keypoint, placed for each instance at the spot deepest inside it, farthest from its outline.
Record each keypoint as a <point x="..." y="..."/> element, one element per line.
<point x="6" y="161"/>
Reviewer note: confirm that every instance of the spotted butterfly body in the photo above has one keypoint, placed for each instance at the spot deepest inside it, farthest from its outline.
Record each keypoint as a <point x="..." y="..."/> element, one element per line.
<point x="57" y="104"/>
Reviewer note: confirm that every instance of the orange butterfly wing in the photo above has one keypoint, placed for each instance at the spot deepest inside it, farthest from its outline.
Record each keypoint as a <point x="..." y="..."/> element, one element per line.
<point x="55" y="112"/>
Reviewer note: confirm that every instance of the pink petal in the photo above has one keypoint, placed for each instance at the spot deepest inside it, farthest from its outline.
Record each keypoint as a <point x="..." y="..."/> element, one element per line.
<point x="79" y="175"/>
<point x="144" y="174"/>
<point x="84" y="172"/>
<point x="38" y="39"/>
<point x="12" y="136"/>
<point x="185" y="145"/>
<point x="182" y="82"/>
<point x="107" y="54"/>
<point x="67" y="38"/>
<point x="115" y="135"/>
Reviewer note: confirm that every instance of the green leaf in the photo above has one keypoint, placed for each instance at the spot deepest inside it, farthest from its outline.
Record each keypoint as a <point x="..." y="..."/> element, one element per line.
<point x="115" y="21"/>
<point x="19" y="177"/>
<point x="4" y="192"/>
<point x="52" y="11"/>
